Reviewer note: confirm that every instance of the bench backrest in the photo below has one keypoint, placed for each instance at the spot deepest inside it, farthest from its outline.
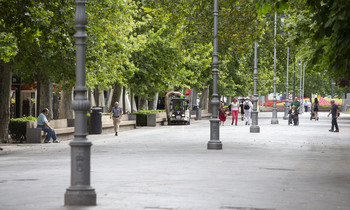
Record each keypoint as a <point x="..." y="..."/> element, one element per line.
<point x="60" y="123"/>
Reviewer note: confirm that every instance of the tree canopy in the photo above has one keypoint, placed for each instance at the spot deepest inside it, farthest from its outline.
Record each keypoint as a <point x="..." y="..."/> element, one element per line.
<point x="154" y="46"/>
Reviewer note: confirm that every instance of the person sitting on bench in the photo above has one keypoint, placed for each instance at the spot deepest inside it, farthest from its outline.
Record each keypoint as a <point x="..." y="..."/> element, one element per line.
<point x="43" y="123"/>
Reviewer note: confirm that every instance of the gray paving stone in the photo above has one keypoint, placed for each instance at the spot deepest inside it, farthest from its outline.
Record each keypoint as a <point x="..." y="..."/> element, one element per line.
<point x="282" y="167"/>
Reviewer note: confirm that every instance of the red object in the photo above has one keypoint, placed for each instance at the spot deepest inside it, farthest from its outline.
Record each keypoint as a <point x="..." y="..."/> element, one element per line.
<point x="222" y="118"/>
<point x="31" y="87"/>
<point x="188" y="92"/>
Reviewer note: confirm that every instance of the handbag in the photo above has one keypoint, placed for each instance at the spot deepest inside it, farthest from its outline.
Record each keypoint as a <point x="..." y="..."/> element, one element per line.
<point x="226" y="113"/>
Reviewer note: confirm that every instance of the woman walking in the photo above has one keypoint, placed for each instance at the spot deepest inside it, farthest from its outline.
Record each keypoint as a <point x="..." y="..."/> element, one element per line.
<point x="222" y="113"/>
<point x="234" y="110"/>
<point x="315" y="106"/>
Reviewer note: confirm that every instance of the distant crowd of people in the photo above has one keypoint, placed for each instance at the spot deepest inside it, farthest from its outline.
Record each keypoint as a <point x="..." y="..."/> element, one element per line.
<point x="245" y="106"/>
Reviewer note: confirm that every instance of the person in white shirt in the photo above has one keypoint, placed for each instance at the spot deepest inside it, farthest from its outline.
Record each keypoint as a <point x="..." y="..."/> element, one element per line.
<point x="305" y="106"/>
<point x="234" y="110"/>
<point x="309" y="106"/>
<point x="247" y="106"/>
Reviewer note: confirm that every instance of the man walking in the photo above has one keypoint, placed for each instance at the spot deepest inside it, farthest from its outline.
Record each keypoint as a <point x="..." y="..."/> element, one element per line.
<point x="296" y="103"/>
<point x="335" y="113"/>
<point x="247" y="105"/>
<point x="117" y="114"/>
<point x="305" y="106"/>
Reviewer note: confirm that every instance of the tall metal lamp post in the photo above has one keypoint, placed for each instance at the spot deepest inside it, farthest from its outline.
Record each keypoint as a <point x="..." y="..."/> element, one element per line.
<point x="301" y="74"/>
<point x="286" y="101"/>
<point x="303" y="88"/>
<point x="254" y="128"/>
<point x="80" y="193"/>
<point x="274" y="119"/>
<point x="332" y="94"/>
<point x="215" y="142"/>
<point x="294" y="83"/>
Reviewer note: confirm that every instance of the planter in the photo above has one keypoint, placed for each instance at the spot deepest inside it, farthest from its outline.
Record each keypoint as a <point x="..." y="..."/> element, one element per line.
<point x="146" y="119"/>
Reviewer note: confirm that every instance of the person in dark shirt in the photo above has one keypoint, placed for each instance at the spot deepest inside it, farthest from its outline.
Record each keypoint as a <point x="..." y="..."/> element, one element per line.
<point x="293" y="116"/>
<point x="315" y="106"/>
<point x="295" y="103"/>
<point x="335" y="113"/>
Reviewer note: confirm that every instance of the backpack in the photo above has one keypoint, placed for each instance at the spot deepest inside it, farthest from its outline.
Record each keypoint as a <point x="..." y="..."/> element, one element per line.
<point x="246" y="105"/>
<point x="316" y="105"/>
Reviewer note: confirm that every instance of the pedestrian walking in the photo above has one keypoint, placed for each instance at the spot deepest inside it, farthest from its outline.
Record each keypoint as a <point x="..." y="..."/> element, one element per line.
<point x="222" y="112"/>
<point x="305" y="105"/>
<point x="247" y="110"/>
<point x="116" y="114"/>
<point x="335" y="114"/>
<point x="295" y="103"/>
<point x="309" y="105"/>
<point x="315" y="106"/>
<point x="43" y="123"/>
<point x="234" y="111"/>
<point x="241" y="107"/>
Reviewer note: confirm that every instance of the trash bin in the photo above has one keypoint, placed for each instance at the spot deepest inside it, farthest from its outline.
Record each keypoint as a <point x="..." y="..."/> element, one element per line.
<point x="196" y="107"/>
<point x="96" y="120"/>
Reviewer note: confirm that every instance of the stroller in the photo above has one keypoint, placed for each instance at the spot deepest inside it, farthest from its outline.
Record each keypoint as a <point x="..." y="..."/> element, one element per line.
<point x="312" y="115"/>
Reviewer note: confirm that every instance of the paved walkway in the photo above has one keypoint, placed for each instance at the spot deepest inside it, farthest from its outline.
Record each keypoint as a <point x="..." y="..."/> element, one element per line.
<point x="282" y="167"/>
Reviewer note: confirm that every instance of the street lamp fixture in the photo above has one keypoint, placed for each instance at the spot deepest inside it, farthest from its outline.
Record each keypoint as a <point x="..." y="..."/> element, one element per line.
<point x="286" y="102"/>
<point x="254" y="128"/>
<point x="301" y="73"/>
<point x="215" y="142"/>
<point x="274" y="119"/>
<point x="80" y="193"/>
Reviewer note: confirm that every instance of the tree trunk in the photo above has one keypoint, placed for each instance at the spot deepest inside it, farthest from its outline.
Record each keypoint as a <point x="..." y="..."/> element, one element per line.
<point x="5" y="93"/>
<point x="45" y="96"/>
<point x="116" y="93"/>
<point x="97" y="96"/>
<point x="194" y="95"/>
<point x="143" y="103"/>
<point x="229" y="100"/>
<point x="132" y="100"/>
<point x="55" y="106"/>
<point x="38" y="96"/>
<point x="154" y="102"/>
<point x="124" y="104"/>
<point x="66" y="111"/>
<point x="204" y="99"/>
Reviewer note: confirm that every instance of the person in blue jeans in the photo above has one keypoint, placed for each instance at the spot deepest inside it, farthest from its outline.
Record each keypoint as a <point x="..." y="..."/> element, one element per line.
<point x="43" y="123"/>
<point x="335" y="114"/>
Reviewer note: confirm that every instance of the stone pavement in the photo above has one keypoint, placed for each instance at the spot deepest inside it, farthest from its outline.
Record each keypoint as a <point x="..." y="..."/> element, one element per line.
<point x="282" y="167"/>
